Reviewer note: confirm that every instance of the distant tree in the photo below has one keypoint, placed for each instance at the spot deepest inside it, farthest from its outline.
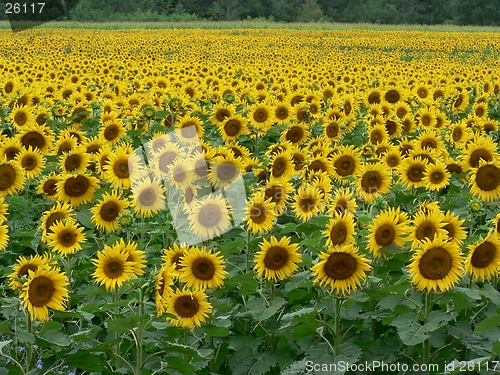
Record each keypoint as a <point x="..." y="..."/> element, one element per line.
<point x="309" y="11"/>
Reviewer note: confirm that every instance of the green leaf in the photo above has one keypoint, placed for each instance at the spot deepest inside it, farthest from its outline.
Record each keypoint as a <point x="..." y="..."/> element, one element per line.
<point x="288" y="228"/>
<point x="86" y="361"/>
<point x="57" y="338"/>
<point x="438" y="319"/>
<point x="260" y="311"/>
<point x="24" y="336"/>
<point x="242" y="361"/>
<point x="491" y="293"/>
<point x="179" y="364"/>
<point x="123" y="325"/>
<point x="4" y="344"/>
<point x="409" y="330"/>
<point x="5" y="327"/>
<point x="216" y="331"/>
<point x="307" y="328"/>
<point x="496" y="347"/>
<point x="486" y="324"/>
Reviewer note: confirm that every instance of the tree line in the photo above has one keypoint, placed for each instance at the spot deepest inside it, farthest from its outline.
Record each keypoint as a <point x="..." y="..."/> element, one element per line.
<point x="427" y="12"/>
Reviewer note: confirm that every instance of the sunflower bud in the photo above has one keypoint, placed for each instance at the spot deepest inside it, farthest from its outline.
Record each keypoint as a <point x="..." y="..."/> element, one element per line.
<point x="126" y="219"/>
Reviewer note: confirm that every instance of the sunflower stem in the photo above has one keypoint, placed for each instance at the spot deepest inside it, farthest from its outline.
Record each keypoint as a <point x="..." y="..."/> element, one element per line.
<point x="338" y="306"/>
<point x="138" y="336"/>
<point x="29" y="356"/>
<point x="425" y="344"/>
<point x="116" y="297"/>
<point x="67" y="266"/>
<point x="248" y="252"/>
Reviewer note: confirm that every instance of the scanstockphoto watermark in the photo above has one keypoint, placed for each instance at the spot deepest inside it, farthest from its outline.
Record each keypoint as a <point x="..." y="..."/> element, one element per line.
<point x="25" y="14"/>
<point x="151" y="163"/>
<point x="368" y="366"/>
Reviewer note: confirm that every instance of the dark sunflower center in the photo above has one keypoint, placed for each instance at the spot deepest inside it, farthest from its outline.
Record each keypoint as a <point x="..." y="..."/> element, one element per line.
<point x="67" y="238"/>
<point x="109" y="211"/>
<point x="341" y="206"/>
<point x="281" y="113"/>
<point x="33" y="139"/>
<point x="203" y="269"/>
<point x="371" y="182"/>
<point x="226" y="171"/>
<point x="276" y="258"/>
<point x="40" y="291"/>
<point x="111" y="132"/>
<point x="457" y="134"/>
<point x="260" y="115"/>
<point x="332" y="130"/>
<point x="20" y="118"/>
<point x="374" y="98"/>
<point x="72" y="162"/>
<point x="147" y="197"/>
<point x="189" y="131"/>
<point x="165" y="160"/>
<point x="210" y="216"/>
<point x="488" y="178"/>
<point x="317" y="165"/>
<point x="258" y="213"/>
<point x="295" y="134"/>
<point x="298" y="160"/>
<point x="11" y="152"/>
<point x="385" y="235"/>
<point x="344" y="165"/>
<point x="415" y="173"/>
<point x="232" y="127"/>
<point x="7" y="176"/>
<point x="437" y="177"/>
<point x="50" y="187"/>
<point x="435" y="264"/>
<point x="425" y="230"/>
<point x="121" y="169"/>
<point x="338" y="234"/>
<point x="176" y="259"/>
<point x="307" y="204"/>
<point x="458" y="102"/>
<point x="113" y="269"/>
<point x="484" y="255"/>
<point x="279" y="167"/>
<point x="23" y="271"/>
<point x="450" y="229"/>
<point x="201" y="167"/>
<point x="276" y="193"/>
<point x="222" y="114"/>
<point x="186" y="306"/>
<point x="64" y="147"/>
<point x="340" y="266"/>
<point x="29" y="163"/>
<point x="392" y="96"/>
<point x="76" y="186"/>
<point x="477" y="155"/>
<point x="179" y="175"/>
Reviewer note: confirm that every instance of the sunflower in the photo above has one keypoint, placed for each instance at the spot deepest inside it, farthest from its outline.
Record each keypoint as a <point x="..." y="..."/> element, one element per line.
<point x="112" y="130"/>
<point x="277" y="260"/>
<point x="482" y="148"/>
<point x="386" y="230"/>
<point x="10" y="148"/>
<point x="76" y="189"/>
<point x="484" y="182"/>
<point x="411" y="172"/>
<point x="32" y="161"/>
<point x="373" y="180"/>
<point x="107" y="210"/>
<point x="392" y="158"/>
<point x="209" y="217"/>
<point x="4" y="236"/>
<point x="483" y="260"/>
<point x="340" y="230"/>
<point x="11" y="177"/>
<point x="21" y="117"/>
<point x="4" y="210"/>
<point x="282" y="112"/>
<point x="260" y="214"/>
<point x="24" y="265"/>
<point x="307" y="202"/>
<point x="76" y="160"/>
<point x="135" y="256"/>
<point x="163" y="287"/>
<point x="220" y="113"/>
<point x="189" y="308"/>
<point x="181" y="174"/>
<point x="346" y="162"/>
<point x="36" y="137"/>
<point x="189" y="129"/>
<point x="48" y="185"/>
<point x="436" y="176"/>
<point x="436" y="265"/>
<point x="453" y="226"/>
<point x="201" y="269"/>
<point x="164" y="157"/>
<point x="427" y="226"/>
<point x="496" y="225"/>
<point x="341" y="268"/>
<point x="296" y="134"/>
<point x="117" y="168"/>
<point x="224" y="170"/>
<point x="66" y="237"/>
<point x="393" y="95"/>
<point x="234" y="127"/>
<point x="112" y="267"/>
<point x="173" y="256"/>
<point x="343" y="201"/>
<point x="148" y="197"/>
<point x="461" y="102"/>
<point x="279" y="192"/>
<point x="261" y="116"/>
<point x="44" y="289"/>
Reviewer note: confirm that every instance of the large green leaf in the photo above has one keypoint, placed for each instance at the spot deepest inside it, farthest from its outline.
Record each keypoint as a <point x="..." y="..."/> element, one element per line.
<point x="488" y="323"/>
<point x="123" y="325"/>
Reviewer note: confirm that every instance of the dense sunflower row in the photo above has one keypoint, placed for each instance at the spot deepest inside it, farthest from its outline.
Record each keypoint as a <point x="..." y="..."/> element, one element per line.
<point x="329" y="128"/>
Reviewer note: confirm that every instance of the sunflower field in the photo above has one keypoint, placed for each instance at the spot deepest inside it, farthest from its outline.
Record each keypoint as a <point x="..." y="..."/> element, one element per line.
<point x="249" y="201"/>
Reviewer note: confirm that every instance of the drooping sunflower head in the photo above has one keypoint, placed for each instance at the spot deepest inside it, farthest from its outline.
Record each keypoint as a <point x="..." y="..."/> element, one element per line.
<point x="341" y="268"/>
